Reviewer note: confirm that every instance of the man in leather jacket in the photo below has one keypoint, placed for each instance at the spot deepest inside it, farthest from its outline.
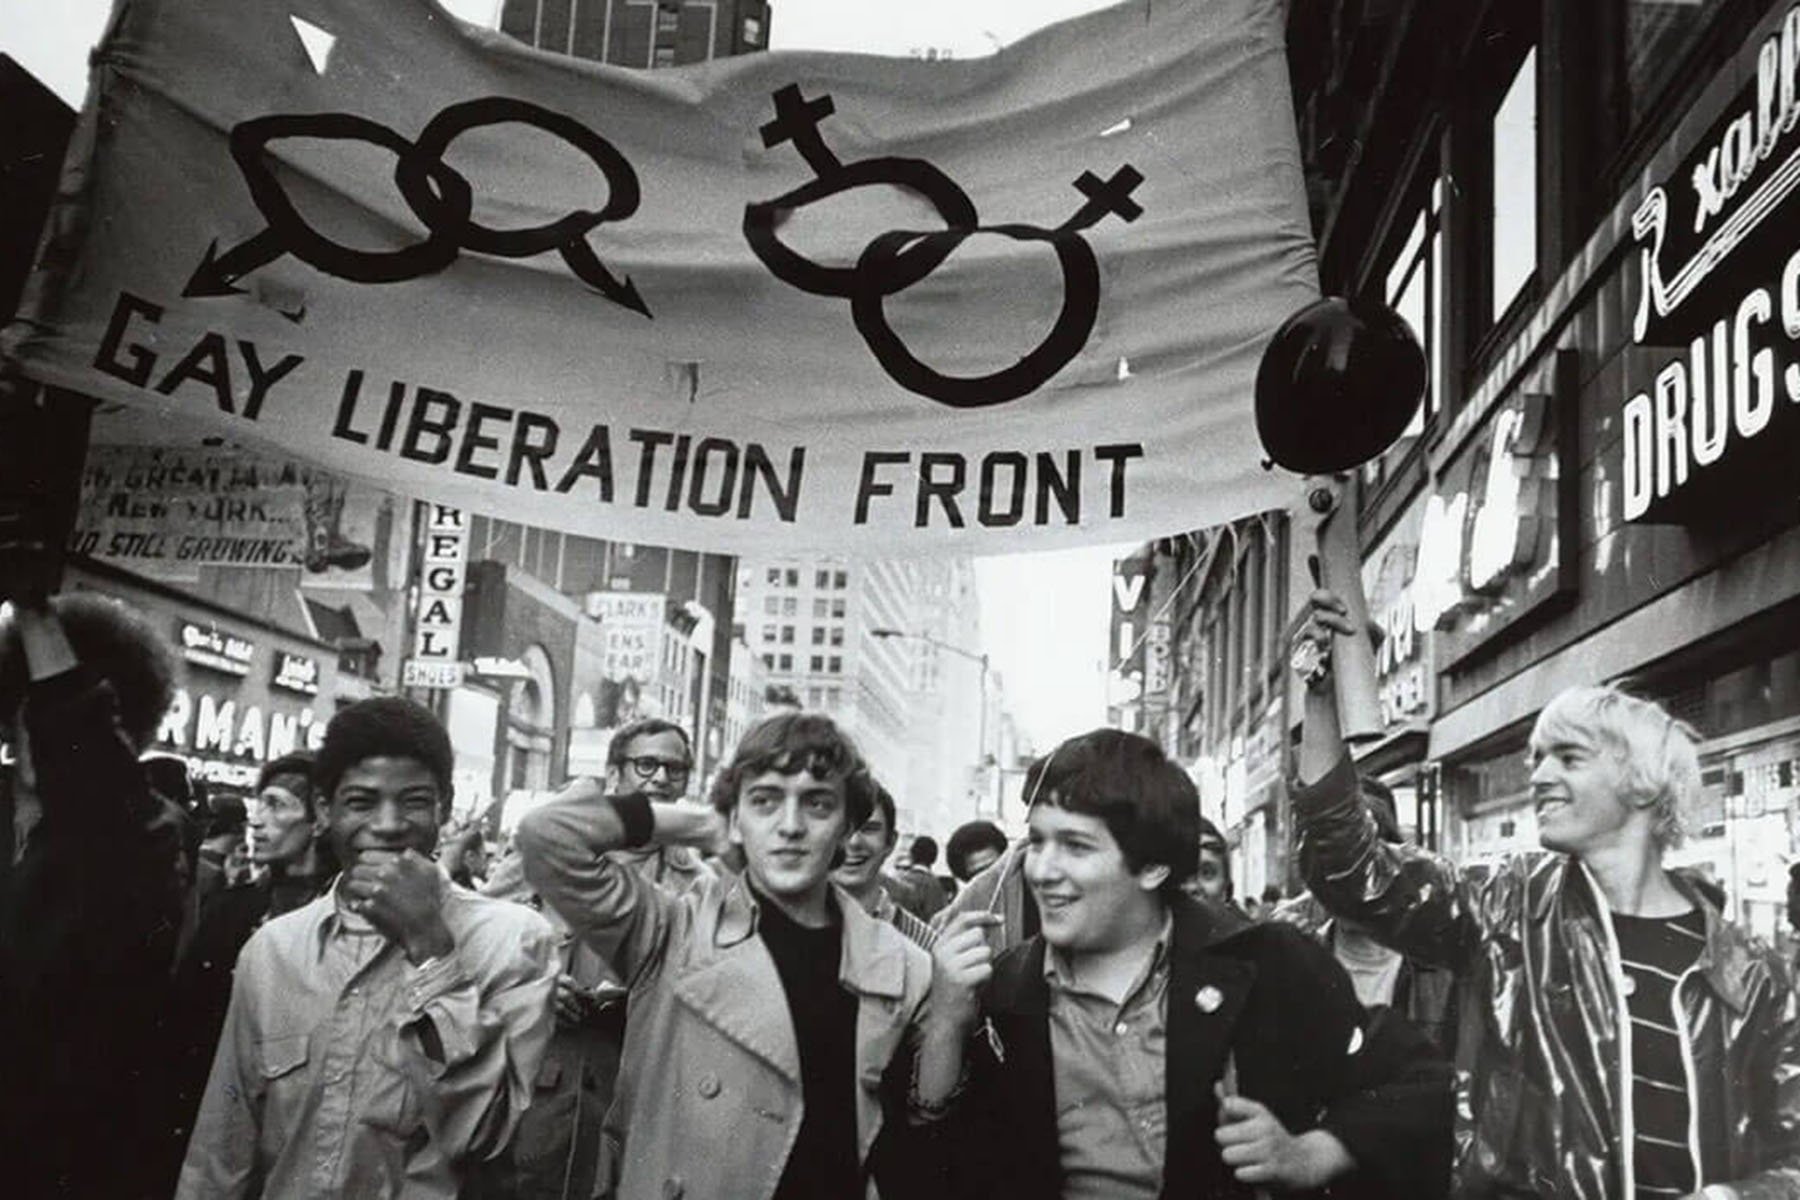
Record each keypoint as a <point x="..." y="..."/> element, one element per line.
<point x="1619" y="1037"/>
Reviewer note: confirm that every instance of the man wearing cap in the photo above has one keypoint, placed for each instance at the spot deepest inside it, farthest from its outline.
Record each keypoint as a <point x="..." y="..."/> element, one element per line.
<point x="1148" y="1043"/>
<point x="385" y="1035"/>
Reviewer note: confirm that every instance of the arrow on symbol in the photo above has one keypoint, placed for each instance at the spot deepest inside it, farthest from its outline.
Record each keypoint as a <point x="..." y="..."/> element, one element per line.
<point x="218" y="272"/>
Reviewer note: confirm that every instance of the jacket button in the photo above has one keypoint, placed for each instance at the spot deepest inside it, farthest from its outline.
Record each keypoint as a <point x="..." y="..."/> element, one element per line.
<point x="673" y="1189"/>
<point x="709" y="1086"/>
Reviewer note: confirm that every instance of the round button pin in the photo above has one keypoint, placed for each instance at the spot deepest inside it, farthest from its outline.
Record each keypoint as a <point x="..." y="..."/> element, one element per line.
<point x="1208" y="999"/>
<point x="1628" y="985"/>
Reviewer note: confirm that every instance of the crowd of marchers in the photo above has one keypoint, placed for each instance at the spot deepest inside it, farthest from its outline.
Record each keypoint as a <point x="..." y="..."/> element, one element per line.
<point x="651" y="993"/>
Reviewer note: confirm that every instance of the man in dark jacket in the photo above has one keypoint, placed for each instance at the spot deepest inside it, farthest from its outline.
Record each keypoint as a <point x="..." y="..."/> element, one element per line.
<point x="1147" y="1043"/>
<point x="1419" y="992"/>
<point x="90" y="896"/>
<point x="297" y="868"/>
<point x="1618" y="1037"/>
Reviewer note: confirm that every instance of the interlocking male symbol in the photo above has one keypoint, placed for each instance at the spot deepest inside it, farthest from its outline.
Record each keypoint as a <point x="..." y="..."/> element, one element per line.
<point x="894" y="261"/>
<point x="437" y="194"/>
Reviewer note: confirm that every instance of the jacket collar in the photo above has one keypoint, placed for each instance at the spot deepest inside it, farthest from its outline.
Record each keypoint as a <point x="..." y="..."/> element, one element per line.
<point x="868" y="963"/>
<point x="1208" y="988"/>
<point x="1197" y="928"/>
<point x="1727" y="961"/>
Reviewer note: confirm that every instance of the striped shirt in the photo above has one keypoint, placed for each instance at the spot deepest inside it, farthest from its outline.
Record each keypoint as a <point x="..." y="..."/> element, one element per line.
<point x="1654" y="952"/>
<point x="918" y="932"/>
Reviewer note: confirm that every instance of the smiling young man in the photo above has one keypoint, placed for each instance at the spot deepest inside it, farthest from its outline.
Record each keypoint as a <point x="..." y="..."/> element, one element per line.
<point x="1147" y="1043"/>
<point x="865" y="851"/>
<point x="1626" y="1040"/>
<point x="768" y="1052"/>
<point x="385" y="1035"/>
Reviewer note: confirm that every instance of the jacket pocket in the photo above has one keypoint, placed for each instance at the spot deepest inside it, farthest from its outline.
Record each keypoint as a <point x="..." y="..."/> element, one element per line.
<point x="283" y="1055"/>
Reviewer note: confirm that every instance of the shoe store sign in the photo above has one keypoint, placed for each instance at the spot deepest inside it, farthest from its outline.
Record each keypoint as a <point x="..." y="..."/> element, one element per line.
<point x="1713" y="390"/>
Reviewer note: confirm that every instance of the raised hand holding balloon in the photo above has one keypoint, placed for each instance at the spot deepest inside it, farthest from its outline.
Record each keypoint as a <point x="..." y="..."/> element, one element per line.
<point x="1337" y="385"/>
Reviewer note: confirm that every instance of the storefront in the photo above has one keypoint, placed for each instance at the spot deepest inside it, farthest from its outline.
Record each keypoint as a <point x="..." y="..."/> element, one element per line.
<point x="1669" y="351"/>
<point x="247" y="691"/>
<point x="520" y="641"/>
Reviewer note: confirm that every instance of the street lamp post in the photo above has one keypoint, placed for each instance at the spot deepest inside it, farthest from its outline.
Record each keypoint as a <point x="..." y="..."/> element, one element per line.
<point x="979" y="659"/>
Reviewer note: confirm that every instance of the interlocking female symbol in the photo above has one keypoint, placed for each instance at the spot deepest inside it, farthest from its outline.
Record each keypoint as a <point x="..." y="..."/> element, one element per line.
<point x="896" y="260"/>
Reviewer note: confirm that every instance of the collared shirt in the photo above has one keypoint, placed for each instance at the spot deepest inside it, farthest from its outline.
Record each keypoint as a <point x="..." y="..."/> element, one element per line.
<point x="322" y="1087"/>
<point x="1111" y="1099"/>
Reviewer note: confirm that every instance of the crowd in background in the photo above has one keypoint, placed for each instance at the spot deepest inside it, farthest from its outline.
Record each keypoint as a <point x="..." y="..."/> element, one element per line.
<point x="329" y="989"/>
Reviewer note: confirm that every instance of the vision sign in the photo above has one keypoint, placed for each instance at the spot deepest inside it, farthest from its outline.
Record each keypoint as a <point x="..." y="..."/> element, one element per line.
<point x="1719" y="302"/>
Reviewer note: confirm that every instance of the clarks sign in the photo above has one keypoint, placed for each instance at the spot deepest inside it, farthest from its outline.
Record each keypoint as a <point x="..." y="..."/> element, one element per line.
<point x="1718" y="307"/>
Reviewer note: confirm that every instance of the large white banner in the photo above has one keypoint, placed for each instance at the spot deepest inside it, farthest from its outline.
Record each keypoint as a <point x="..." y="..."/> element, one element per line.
<point x="780" y="302"/>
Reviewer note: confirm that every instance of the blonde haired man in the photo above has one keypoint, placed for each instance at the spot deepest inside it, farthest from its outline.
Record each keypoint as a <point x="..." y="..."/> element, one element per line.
<point x="1620" y="1037"/>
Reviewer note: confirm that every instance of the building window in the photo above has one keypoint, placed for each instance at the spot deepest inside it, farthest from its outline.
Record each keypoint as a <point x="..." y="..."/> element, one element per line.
<point x="821" y="607"/>
<point x="771" y="605"/>
<point x="787" y="662"/>
<point x="817" y="664"/>
<point x="663" y="56"/>
<point x="1658" y="35"/>
<point x="834" y="696"/>
<point x="1415" y="287"/>
<point x="818" y="635"/>
<point x="789" y="606"/>
<point x="753" y="31"/>
<point x="837" y="635"/>
<point x="768" y="633"/>
<point x="793" y="577"/>
<point x="822" y="579"/>
<point x="837" y="609"/>
<point x="840" y="580"/>
<point x="812" y="696"/>
<point x="836" y="665"/>
<point x="774" y="576"/>
<point x="1513" y="253"/>
<point x="769" y="662"/>
<point x="668" y="18"/>
<point x="787" y="635"/>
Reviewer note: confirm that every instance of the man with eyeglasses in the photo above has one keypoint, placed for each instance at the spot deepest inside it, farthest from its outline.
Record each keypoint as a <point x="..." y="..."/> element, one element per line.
<point x="652" y="758"/>
<point x="556" y="1153"/>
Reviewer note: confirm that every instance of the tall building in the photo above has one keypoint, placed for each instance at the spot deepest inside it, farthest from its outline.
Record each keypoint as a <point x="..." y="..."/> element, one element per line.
<point x="640" y="33"/>
<point x="889" y="648"/>
<point x="1583" y="212"/>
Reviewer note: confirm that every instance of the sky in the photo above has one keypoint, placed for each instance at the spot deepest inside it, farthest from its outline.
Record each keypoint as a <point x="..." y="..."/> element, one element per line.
<point x="1043" y="616"/>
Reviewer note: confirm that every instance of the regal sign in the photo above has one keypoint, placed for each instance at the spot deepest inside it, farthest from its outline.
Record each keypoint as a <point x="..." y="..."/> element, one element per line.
<point x="443" y="563"/>
<point x="1714" y="397"/>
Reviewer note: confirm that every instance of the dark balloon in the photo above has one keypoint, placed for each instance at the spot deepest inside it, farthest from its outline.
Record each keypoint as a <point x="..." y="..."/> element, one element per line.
<point x="1337" y="385"/>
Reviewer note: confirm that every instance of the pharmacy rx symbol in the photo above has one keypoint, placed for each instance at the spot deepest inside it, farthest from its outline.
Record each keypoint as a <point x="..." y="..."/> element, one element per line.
<point x="894" y="261"/>
<point x="439" y="196"/>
